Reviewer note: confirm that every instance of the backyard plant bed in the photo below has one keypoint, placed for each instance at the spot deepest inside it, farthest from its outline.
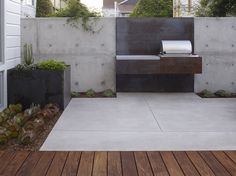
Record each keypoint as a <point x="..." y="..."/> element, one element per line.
<point x="28" y="129"/>
<point x="218" y="94"/>
<point x="92" y="94"/>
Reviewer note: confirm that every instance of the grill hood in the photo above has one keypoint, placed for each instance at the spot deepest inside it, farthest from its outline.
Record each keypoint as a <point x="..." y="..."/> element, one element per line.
<point x="176" y="47"/>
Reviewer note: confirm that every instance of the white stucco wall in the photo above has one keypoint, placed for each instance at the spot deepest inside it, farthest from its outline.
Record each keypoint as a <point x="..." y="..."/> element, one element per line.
<point x="11" y="39"/>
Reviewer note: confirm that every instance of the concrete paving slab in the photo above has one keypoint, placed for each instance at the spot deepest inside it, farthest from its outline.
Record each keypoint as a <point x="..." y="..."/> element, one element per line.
<point x="182" y="114"/>
<point x="146" y="121"/>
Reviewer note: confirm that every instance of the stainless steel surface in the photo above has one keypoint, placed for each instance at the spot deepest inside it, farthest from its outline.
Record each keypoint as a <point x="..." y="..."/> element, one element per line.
<point x="137" y="57"/>
<point x="176" y="46"/>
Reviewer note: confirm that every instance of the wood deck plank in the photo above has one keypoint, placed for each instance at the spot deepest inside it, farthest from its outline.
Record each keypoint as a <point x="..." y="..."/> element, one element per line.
<point x="29" y="164"/>
<point x="86" y="164"/>
<point x="128" y="164"/>
<point x="100" y="164"/>
<point x="16" y="163"/>
<point x="57" y="164"/>
<point x="232" y="155"/>
<point x="214" y="164"/>
<point x="1" y="153"/>
<point x="143" y="165"/>
<point x="6" y="157"/>
<point x="72" y="164"/>
<point x="200" y="164"/>
<point x="186" y="165"/>
<point x="157" y="164"/>
<point x="114" y="164"/>
<point x="43" y="164"/>
<point x="171" y="164"/>
<point x="23" y="163"/>
<point x="226" y="162"/>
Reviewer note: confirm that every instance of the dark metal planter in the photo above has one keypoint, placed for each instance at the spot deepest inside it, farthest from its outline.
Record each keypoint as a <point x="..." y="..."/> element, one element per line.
<point x="39" y="87"/>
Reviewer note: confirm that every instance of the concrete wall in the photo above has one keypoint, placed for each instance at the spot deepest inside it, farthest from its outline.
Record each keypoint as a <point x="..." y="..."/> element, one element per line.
<point x="10" y="46"/>
<point x="91" y="56"/>
<point x="215" y="40"/>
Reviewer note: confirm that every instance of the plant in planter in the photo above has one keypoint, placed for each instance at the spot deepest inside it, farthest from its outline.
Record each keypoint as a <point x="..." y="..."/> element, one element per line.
<point x="206" y="94"/>
<point x="222" y="93"/>
<point x="108" y="93"/>
<point x="75" y="94"/>
<point x="42" y="83"/>
<point x="90" y="93"/>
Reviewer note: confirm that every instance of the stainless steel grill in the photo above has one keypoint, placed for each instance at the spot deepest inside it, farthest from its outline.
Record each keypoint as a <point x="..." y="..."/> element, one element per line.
<point x="176" y="47"/>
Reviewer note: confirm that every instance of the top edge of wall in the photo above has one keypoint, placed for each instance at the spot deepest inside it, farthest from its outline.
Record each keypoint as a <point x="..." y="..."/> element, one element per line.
<point x="62" y="18"/>
<point x="215" y="18"/>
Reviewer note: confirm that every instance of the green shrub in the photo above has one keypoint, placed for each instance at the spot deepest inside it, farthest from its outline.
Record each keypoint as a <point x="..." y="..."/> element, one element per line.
<point x="51" y="65"/>
<point x="222" y="93"/>
<point x="90" y="93"/>
<point x="44" y="8"/>
<point x="108" y="93"/>
<point x="153" y="8"/>
<point x="216" y="8"/>
<point x="207" y="94"/>
<point x="76" y="11"/>
<point x="74" y="94"/>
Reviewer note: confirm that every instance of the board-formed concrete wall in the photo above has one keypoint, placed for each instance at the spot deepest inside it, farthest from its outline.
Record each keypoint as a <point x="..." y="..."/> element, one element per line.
<point x="215" y="40"/>
<point x="91" y="55"/>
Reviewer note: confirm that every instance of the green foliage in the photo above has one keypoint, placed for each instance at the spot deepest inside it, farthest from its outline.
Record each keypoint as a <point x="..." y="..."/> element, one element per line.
<point x="28" y="54"/>
<point x="108" y="93"/>
<point x="153" y="8"/>
<point x="222" y="93"/>
<point x="216" y="8"/>
<point x="44" y="8"/>
<point x="207" y="94"/>
<point x="51" y="65"/>
<point x="78" y="13"/>
<point x="28" y="61"/>
<point x="74" y="94"/>
<point x="90" y="93"/>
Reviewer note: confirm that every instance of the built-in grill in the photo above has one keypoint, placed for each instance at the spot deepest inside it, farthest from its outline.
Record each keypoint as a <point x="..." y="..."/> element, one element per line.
<point x="172" y="70"/>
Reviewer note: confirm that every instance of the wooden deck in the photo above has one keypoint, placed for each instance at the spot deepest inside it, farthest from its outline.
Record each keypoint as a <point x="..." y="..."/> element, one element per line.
<point x="118" y="163"/>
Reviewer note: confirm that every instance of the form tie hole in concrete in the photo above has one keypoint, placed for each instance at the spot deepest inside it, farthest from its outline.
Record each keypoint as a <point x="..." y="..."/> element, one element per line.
<point x="232" y="45"/>
<point x="76" y="45"/>
<point x="50" y="45"/>
<point x="102" y="44"/>
<point x="207" y="83"/>
<point x="232" y="64"/>
<point x="76" y="83"/>
<point x="76" y="64"/>
<point x="206" y="26"/>
<point x="206" y="45"/>
<point x="102" y="64"/>
<point x="25" y="27"/>
<point x="233" y="27"/>
<point x="103" y="82"/>
<point x="50" y="26"/>
<point x="232" y="83"/>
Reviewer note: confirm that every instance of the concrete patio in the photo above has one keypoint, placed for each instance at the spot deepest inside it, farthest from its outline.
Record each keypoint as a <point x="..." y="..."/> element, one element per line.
<point x="144" y="122"/>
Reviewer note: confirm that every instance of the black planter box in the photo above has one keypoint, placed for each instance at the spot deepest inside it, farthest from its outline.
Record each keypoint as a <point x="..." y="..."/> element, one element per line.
<point x="39" y="87"/>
